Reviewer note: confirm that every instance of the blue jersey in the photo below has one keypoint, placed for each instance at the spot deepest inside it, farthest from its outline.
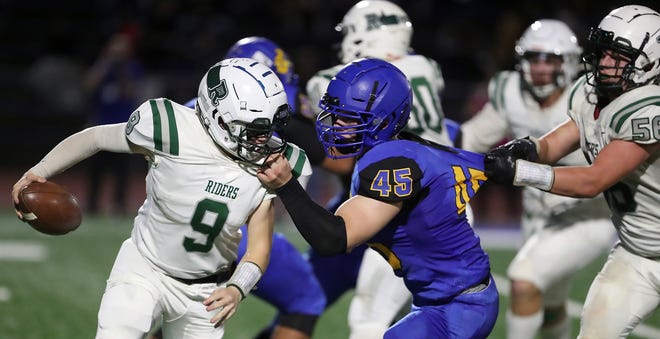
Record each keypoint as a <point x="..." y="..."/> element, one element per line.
<point x="430" y="242"/>
<point x="452" y="127"/>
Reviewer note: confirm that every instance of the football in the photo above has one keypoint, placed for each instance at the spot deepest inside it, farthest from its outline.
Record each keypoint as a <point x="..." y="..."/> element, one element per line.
<point x="49" y="208"/>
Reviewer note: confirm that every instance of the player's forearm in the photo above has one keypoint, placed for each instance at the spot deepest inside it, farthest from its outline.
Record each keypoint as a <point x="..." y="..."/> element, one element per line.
<point x="80" y="146"/>
<point x="258" y="253"/>
<point x="613" y="163"/>
<point x="260" y="234"/>
<point x="577" y="182"/>
<point x="325" y="232"/>
<point x="559" y="142"/>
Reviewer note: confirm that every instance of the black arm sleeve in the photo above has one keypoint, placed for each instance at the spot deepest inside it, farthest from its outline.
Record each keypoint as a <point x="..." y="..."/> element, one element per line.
<point x="325" y="232"/>
<point x="302" y="132"/>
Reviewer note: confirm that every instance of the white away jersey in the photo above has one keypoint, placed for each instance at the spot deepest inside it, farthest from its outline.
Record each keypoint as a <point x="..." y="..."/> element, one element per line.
<point x="512" y="111"/>
<point x="197" y="197"/>
<point x="426" y="116"/>
<point x="635" y="201"/>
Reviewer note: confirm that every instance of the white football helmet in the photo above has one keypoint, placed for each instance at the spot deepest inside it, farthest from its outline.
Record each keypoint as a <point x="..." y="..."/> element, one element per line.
<point x="374" y="28"/>
<point x="242" y="102"/>
<point x="632" y="31"/>
<point x="549" y="37"/>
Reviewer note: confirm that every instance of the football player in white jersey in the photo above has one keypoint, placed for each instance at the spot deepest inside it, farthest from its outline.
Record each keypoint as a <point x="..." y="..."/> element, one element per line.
<point x="561" y="234"/>
<point x="614" y="115"/>
<point x="179" y="264"/>
<point x="380" y="29"/>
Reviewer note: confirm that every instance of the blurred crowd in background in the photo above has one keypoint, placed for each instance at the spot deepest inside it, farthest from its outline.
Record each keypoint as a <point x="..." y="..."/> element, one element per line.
<point x="64" y="65"/>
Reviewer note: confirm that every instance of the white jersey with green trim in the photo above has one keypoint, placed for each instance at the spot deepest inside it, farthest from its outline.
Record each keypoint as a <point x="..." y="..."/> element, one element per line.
<point x="634" y="201"/>
<point x="197" y="196"/>
<point x="512" y="112"/>
<point x="425" y="76"/>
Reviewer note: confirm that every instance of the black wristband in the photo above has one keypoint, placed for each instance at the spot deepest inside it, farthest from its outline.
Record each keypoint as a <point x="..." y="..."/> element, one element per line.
<point x="325" y="232"/>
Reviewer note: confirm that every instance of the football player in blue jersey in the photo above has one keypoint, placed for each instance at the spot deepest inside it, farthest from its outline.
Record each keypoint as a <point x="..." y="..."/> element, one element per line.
<point x="408" y="203"/>
<point x="378" y="29"/>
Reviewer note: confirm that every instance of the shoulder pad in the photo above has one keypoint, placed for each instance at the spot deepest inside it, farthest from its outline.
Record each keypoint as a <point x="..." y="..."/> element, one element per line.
<point x="153" y="126"/>
<point x="579" y="83"/>
<point x="638" y="119"/>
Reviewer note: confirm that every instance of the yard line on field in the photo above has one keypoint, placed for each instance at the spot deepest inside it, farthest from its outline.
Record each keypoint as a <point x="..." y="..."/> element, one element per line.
<point x="5" y="294"/>
<point x="15" y="250"/>
<point x="575" y="308"/>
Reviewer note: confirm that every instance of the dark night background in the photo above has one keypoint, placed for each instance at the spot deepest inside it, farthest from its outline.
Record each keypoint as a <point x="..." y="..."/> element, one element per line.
<point x="178" y="40"/>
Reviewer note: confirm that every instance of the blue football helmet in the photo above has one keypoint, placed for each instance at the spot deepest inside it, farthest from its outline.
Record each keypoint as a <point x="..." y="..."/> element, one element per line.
<point x="367" y="103"/>
<point x="270" y="54"/>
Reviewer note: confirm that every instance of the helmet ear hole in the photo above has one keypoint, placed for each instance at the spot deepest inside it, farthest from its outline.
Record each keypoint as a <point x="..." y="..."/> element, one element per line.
<point x="649" y="67"/>
<point x="222" y="123"/>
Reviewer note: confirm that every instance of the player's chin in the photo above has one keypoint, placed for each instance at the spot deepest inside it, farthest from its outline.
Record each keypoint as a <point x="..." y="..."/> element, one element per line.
<point x="345" y="144"/>
<point x="345" y="150"/>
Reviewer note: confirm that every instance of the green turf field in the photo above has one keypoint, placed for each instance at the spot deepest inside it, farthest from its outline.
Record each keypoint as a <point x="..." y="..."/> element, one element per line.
<point x="51" y="287"/>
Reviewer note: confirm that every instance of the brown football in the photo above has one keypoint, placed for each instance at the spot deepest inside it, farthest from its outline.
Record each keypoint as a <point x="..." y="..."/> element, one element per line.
<point x="49" y="208"/>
